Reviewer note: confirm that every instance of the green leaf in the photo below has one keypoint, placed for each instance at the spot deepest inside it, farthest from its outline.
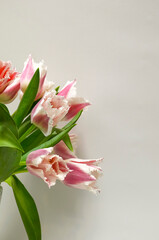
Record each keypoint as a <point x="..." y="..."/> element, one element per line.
<point x="10" y="152"/>
<point x="53" y="141"/>
<point x="24" y="126"/>
<point x="8" y="139"/>
<point x="4" y="107"/>
<point x="66" y="139"/>
<point x="57" y="90"/>
<point x="74" y="120"/>
<point x="27" y="132"/>
<point x="27" y="209"/>
<point x="33" y="140"/>
<point x="50" y="143"/>
<point x="27" y="99"/>
<point x="6" y="120"/>
<point x="9" y="161"/>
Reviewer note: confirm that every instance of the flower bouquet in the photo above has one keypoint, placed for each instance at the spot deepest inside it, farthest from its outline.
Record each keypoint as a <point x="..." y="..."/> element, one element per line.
<point x="31" y="140"/>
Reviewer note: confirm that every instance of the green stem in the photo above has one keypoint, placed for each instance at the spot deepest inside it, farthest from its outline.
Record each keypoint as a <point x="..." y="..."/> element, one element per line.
<point x="13" y="114"/>
<point x="24" y="126"/>
<point x="22" y="164"/>
<point x="21" y="171"/>
<point x="30" y="130"/>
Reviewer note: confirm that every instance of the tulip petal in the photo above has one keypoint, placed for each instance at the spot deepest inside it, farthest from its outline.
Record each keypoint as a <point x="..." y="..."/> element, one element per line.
<point x="77" y="175"/>
<point x="62" y="150"/>
<point x="69" y="90"/>
<point x="37" y="154"/>
<point x="83" y="174"/>
<point x="10" y="92"/>
<point x="76" y="105"/>
<point x="29" y="69"/>
<point x="9" y="82"/>
<point x="27" y="73"/>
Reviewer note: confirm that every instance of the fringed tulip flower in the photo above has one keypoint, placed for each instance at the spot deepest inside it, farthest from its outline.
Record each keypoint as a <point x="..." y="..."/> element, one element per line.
<point x="53" y="108"/>
<point x="59" y="163"/>
<point x="48" y="166"/>
<point x="75" y="103"/>
<point x="29" y="69"/>
<point x="49" y="111"/>
<point x="9" y="82"/>
<point x="83" y="173"/>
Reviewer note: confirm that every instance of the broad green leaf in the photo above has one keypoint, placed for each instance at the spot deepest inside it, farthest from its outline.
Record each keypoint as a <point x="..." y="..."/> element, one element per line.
<point x="27" y="99"/>
<point x="27" y="209"/>
<point x="8" y="139"/>
<point x="9" y="161"/>
<point x="6" y="120"/>
<point x="10" y="152"/>
<point x="50" y="143"/>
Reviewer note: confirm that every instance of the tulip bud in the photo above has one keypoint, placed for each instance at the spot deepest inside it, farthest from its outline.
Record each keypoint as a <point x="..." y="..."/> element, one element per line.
<point x="29" y="69"/>
<point x="9" y="82"/>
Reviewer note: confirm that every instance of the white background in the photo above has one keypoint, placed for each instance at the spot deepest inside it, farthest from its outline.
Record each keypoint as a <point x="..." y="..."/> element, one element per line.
<point x="112" y="48"/>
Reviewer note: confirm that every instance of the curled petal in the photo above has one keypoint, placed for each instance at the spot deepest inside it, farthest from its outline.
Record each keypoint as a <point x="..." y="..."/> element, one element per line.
<point x="76" y="105"/>
<point x="10" y="92"/>
<point x="35" y="157"/>
<point x="69" y="90"/>
<point x="83" y="174"/>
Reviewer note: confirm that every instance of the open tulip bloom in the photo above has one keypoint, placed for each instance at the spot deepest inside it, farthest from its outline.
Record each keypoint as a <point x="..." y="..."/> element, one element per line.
<point x="31" y="140"/>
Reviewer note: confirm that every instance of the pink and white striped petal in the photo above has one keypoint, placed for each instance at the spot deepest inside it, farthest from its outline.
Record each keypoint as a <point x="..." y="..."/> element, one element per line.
<point x="9" y="82"/>
<point x="10" y="92"/>
<point x="69" y="90"/>
<point x="76" y="104"/>
<point x="29" y="69"/>
<point x="62" y="150"/>
<point x="83" y="173"/>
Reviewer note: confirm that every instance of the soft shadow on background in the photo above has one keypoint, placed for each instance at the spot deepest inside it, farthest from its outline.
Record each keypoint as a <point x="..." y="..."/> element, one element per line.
<point x="111" y="48"/>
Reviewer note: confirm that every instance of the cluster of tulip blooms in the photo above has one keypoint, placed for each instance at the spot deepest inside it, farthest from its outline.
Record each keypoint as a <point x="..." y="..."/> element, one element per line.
<point x="31" y="141"/>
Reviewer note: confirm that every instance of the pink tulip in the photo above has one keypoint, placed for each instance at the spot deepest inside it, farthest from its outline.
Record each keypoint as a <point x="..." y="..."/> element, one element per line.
<point x="83" y="173"/>
<point x="29" y="69"/>
<point x="75" y="103"/>
<point x="45" y="164"/>
<point x="9" y="82"/>
<point x="49" y="111"/>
